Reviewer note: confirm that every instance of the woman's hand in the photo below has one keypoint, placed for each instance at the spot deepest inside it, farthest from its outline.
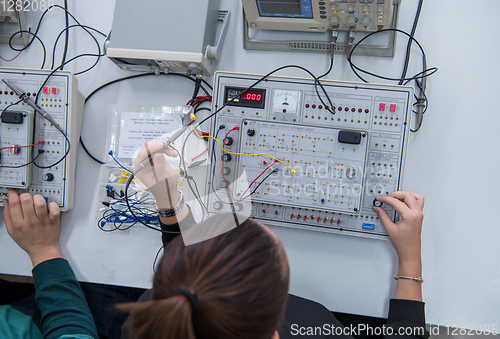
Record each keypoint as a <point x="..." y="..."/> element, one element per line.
<point x="33" y="225"/>
<point x="404" y="234"/>
<point x="158" y="175"/>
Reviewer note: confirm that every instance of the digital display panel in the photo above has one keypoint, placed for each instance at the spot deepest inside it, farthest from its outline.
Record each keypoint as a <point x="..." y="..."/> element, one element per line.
<point x="254" y="98"/>
<point x="285" y="8"/>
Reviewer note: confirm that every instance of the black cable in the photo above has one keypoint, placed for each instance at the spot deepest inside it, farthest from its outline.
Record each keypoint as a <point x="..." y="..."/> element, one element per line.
<point x="36" y="103"/>
<point x="34" y="37"/>
<point x="425" y="73"/>
<point x="328" y="107"/>
<point x="202" y="101"/>
<point x="327" y="72"/>
<point x="197" y="85"/>
<point x="410" y="41"/>
<point x="40" y="151"/>
<point x="13" y="104"/>
<point x="127" y="185"/>
<point x="156" y="258"/>
<point x="66" y="30"/>
<point x="62" y="158"/>
<point x="66" y="39"/>
<point x="188" y="177"/>
<point x="123" y="79"/>
<point x="35" y="33"/>
<point x="207" y="84"/>
<point x="88" y="153"/>
<point x="260" y="183"/>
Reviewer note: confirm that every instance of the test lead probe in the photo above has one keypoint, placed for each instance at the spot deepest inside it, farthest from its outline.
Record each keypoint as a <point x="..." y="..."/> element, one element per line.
<point x="167" y="143"/>
<point x="22" y="95"/>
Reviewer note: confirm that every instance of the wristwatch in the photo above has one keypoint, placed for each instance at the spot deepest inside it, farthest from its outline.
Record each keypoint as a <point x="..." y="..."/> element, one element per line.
<point x="172" y="211"/>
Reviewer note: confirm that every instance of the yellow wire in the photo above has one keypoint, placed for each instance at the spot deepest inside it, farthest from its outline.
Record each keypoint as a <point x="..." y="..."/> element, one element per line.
<point x="180" y="183"/>
<point x="248" y="154"/>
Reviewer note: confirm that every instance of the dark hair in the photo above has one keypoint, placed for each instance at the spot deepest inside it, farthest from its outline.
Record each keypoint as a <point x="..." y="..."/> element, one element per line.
<point x="240" y="279"/>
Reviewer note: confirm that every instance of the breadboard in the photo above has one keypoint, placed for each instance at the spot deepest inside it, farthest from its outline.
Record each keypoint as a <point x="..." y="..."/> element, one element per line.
<point x="61" y="99"/>
<point x="329" y="174"/>
<point x="13" y="172"/>
<point x="289" y="109"/>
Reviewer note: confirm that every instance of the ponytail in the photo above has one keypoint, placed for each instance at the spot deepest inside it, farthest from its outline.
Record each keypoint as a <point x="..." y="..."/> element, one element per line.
<point x="163" y="318"/>
<point x="241" y="282"/>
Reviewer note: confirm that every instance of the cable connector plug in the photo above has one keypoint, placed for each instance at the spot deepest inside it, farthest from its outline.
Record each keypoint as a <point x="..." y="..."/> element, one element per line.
<point x="333" y="41"/>
<point x="350" y="41"/>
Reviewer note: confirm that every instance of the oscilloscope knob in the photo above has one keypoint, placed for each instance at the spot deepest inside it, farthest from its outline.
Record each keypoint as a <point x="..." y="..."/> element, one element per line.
<point x="48" y="177"/>
<point x="251" y="132"/>
<point x="226" y="157"/>
<point x="228" y="141"/>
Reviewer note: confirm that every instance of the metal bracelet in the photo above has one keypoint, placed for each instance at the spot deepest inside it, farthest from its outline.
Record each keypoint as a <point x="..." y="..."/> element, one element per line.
<point x="172" y="211"/>
<point x="418" y="279"/>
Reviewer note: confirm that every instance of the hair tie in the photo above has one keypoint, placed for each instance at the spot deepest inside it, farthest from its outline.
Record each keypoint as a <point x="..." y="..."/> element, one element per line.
<point x="191" y="297"/>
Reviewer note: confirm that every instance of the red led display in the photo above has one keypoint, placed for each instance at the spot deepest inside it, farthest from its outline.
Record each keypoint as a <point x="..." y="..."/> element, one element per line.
<point x="45" y="90"/>
<point x="251" y="96"/>
<point x="382" y="107"/>
<point x="55" y="90"/>
<point x="393" y="108"/>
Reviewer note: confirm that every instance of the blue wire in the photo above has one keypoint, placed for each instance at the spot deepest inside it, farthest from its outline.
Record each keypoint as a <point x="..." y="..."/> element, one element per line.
<point x="112" y="214"/>
<point x="111" y="153"/>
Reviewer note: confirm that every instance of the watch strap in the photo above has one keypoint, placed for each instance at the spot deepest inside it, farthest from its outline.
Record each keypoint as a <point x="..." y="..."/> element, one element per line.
<point x="172" y="211"/>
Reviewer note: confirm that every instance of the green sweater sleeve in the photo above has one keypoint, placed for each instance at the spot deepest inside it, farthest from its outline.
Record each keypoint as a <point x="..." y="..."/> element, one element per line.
<point x="61" y="301"/>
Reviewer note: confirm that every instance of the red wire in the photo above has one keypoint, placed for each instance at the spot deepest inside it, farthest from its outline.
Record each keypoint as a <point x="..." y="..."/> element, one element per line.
<point x="38" y="143"/>
<point x="264" y="171"/>
<point x="199" y="155"/>
<point x="224" y="177"/>
<point x="197" y="100"/>
<point x="13" y="57"/>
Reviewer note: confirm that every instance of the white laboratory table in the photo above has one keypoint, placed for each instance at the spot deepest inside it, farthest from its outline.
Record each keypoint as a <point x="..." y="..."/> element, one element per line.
<point x="453" y="161"/>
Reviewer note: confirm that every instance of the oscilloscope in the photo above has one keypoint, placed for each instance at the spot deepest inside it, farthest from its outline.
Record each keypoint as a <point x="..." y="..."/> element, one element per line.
<point x="319" y="15"/>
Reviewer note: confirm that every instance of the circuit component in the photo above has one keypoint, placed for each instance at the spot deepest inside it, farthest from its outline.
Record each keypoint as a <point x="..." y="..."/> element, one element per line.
<point x="363" y="152"/>
<point x="15" y="137"/>
<point x="10" y="117"/>
<point x="32" y="139"/>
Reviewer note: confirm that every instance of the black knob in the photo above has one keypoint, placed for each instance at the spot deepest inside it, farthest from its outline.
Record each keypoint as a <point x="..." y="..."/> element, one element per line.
<point x="228" y="141"/>
<point x="48" y="177"/>
<point x="226" y="157"/>
<point x="227" y="170"/>
<point x="251" y="132"/>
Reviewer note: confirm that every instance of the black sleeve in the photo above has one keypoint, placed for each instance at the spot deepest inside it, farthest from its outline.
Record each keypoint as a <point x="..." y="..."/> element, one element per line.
<point x="308" y="319"/>
<point x="406" y="319"/>
<point x="171" y="231"/>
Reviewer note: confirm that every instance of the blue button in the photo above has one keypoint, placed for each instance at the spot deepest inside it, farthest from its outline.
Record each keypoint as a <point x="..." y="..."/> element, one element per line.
<point x="370" y="227"/>
<point x="322" y="201"/>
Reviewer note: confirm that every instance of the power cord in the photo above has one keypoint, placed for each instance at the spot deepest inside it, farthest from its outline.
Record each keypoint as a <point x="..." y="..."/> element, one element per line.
<point x="66" y="39"/>
<point x="128" y="78"/>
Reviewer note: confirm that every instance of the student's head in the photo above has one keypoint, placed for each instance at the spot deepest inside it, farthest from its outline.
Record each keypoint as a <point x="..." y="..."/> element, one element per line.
<point x="240" y="280"/>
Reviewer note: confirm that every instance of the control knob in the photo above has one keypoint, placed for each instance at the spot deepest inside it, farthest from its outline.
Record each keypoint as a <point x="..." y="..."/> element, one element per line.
<point x="48" y="177"/>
